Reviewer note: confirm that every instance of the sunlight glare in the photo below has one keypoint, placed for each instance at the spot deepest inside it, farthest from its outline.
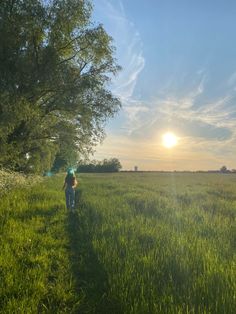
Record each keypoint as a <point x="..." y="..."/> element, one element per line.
<point x="169" y="140"/>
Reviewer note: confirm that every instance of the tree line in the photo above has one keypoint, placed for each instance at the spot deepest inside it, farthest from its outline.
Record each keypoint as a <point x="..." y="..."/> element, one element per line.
<point x="55" y="69"/>
<point x="107" y="165"/>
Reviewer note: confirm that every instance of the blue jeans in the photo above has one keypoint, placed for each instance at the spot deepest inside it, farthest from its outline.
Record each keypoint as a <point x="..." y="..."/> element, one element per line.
<point x="70" y="197"/>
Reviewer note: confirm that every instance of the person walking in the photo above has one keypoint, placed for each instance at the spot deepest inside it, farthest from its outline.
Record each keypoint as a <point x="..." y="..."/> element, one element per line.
<point x="69" y="187"/>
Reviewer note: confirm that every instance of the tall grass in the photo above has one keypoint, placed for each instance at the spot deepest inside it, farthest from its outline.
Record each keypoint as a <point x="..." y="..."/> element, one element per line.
<point x="167" y="241"/>
<point x="35" y="268"/>
<point x="138" y="243"/>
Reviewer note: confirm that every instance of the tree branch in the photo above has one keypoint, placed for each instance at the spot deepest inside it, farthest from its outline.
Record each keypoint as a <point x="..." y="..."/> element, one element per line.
<point x="70" y="42"/>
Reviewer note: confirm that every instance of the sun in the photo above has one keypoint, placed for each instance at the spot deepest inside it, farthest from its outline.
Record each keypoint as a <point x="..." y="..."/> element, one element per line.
<point x="169" y="140"/>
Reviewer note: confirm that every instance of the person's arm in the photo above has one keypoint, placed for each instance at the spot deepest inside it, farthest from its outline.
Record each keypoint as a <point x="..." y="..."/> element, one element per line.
<point x="64" y="185"/>
<point x="75" y="184"/>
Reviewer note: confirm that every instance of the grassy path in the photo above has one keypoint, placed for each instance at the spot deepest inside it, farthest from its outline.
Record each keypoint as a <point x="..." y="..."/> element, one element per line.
<point x="91" y="280"/>
<point x="47" y="263"/>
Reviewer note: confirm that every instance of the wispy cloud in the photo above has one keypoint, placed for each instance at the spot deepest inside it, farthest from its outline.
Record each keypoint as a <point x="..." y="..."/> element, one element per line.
<point x="130" y="56"/>
<point x="129" y="47"/>
<point x="204" y="121"/>
<point x="186" y="103"/>
<point x="232" y="79"/>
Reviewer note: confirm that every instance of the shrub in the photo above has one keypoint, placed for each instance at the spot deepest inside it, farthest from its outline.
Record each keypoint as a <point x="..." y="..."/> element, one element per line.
<point x="10" y="179"/>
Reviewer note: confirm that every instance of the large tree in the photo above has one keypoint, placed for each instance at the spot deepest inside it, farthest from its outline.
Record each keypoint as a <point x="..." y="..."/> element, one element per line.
<point x="55" y="66"/>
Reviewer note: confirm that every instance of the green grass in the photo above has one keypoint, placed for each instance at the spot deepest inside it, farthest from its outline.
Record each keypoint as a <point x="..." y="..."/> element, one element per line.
<point x="138" y="243"/>
<point x="35" y="252"/>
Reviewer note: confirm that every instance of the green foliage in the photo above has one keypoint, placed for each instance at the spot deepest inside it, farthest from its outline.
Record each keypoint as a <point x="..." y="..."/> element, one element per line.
<point x="68" y="151"/>
<point x="107" y="165"/>
<point x="138" y="243"/>
<point x="55" y="68"/>
<point x="10" y="180"/>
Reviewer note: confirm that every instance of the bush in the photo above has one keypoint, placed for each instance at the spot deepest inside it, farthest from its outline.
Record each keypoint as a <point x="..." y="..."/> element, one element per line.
<point x="10" y="179"/>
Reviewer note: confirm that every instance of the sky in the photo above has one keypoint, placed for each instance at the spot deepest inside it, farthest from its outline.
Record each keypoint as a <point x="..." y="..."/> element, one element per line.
<point x="178" y="75"/>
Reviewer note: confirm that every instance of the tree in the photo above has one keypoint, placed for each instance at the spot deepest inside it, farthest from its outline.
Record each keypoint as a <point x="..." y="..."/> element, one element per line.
<point x="111" y="165"/>
<point x="55" y="66"/>
<point x="107" y="165"/>
<point x="223" y="169"/>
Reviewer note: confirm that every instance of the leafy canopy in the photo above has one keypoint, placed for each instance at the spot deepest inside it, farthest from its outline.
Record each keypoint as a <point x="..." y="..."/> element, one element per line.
<point x="55" y="66"/>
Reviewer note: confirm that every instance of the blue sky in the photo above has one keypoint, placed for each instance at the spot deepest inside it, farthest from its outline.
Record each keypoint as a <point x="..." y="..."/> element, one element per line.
<point x="179" y="75"/>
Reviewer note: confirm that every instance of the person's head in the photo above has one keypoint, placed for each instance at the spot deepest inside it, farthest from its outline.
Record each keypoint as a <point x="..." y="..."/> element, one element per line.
<point x="70" y="172"/>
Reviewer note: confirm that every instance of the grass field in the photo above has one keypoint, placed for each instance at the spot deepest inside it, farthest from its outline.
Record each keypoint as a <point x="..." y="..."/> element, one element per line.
<point x="138" y="243"/>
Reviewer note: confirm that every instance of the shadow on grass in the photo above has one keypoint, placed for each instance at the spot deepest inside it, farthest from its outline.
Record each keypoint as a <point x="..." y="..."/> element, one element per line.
<point x="91" y="278"/>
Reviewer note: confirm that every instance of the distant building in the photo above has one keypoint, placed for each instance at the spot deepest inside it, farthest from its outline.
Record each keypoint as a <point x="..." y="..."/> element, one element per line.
<point x="135" y="168"/>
